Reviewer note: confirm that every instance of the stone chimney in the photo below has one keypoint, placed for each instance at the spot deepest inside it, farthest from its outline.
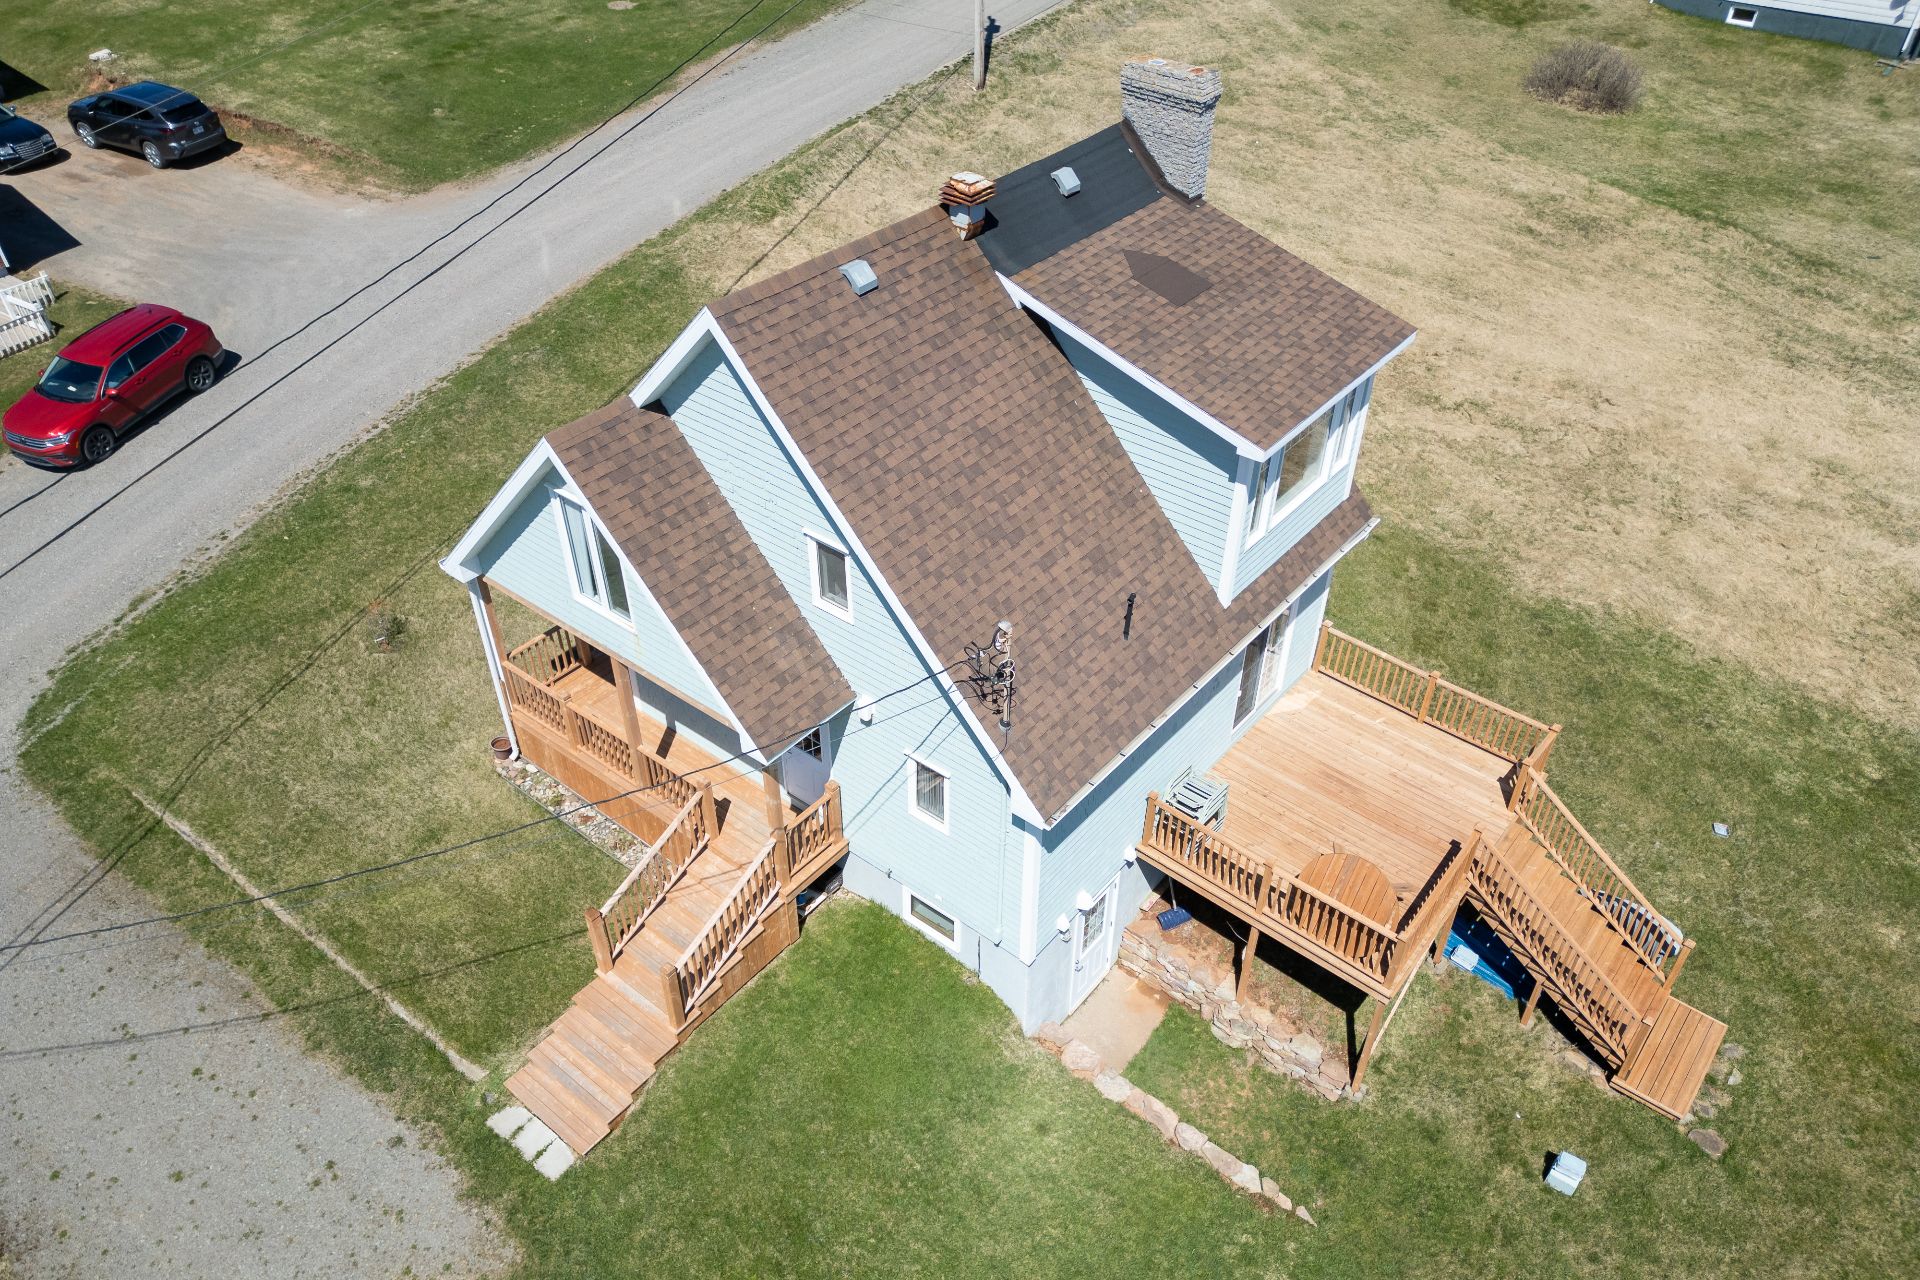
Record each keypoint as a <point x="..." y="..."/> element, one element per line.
<point x="1170" y="105"/>
<point x="965" y="197"/>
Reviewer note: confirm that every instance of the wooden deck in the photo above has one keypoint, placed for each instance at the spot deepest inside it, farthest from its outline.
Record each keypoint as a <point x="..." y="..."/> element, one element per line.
<point x="711" y="902"/>
<point x="1330" y="768"/>
<point x="1374" y="798"/>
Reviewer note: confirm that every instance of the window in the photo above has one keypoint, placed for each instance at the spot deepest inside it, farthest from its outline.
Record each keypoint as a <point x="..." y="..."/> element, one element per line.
<point x="927" y="794"/>
<point x="813" y="744"/>
<point x="144" y="353"/>
<point x="1286" y="478"/>
<point x="830" y="578"/>
<point x="597" y="577"/>
<point x="935" y="923"/>
<point x="1740" y="16"/>
<point x="1260" y="669"/>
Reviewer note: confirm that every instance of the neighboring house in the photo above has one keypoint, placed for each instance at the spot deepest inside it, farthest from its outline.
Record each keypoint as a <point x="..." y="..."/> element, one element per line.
<point x="943" y="557"/>
<point x="1890" y="28"/>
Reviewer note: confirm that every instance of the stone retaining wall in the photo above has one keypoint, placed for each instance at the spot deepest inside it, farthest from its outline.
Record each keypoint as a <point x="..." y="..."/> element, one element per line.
<point x="1274" y="1039"/>
<point x="1081" y="1059"/>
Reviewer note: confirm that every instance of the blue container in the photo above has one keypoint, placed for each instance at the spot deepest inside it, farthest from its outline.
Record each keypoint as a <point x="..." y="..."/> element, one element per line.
<point x="1492" y="963"/>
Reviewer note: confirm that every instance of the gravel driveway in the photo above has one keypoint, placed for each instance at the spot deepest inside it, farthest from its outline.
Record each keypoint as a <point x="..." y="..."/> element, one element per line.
<point x="228" y="1151"/>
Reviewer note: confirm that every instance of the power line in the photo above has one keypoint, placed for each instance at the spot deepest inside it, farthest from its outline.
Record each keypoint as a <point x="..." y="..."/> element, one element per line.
<point x="227" y="417"/>
<point x="782" y="740"/>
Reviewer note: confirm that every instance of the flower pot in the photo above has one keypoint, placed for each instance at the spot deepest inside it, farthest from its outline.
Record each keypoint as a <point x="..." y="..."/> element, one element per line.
<point x="503" y="748"/>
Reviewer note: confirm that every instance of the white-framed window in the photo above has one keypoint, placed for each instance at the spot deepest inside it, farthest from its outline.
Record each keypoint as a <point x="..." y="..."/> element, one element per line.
<point x="1741" y="16"/>
<point x="932" y="921"/>
<point x="1262" y="663"/>
<point x="832" y="576"/>
<point x="1315" y="452"/>
<point x="927" y="792"/>
<point x="593" y="567"/>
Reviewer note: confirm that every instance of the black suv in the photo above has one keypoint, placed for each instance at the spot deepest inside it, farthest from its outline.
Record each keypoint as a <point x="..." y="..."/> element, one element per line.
<point x="157" y="121"/>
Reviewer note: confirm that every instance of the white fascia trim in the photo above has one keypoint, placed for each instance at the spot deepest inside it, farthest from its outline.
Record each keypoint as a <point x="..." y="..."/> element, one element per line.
<point x="752" y="749"/>
<point x="1232" y="654"/>
<point x="674" y="360"/>
<point x="1338" y="396"/>
<point x="1023" y="804"/>
<point x="1243" y="498"/>
<point x="458" y="562"/>
<point x="1245" y="447"/>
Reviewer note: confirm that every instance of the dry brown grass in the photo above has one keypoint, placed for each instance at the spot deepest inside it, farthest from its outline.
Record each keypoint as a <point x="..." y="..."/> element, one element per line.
<point x="1704" y="426"/>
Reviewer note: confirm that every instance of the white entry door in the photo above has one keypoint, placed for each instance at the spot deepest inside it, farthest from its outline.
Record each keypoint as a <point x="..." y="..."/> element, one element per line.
<point x="805" y="766"/>
<point x="1096" y="940"/>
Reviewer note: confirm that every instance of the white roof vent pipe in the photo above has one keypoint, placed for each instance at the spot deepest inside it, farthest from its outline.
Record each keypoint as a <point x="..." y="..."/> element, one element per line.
<point x="860" y="276"/>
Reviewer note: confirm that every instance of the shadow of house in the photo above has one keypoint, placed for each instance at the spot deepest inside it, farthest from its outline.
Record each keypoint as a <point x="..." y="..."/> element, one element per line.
<point x="15" y="83"/>
<point x="28" y="236"/>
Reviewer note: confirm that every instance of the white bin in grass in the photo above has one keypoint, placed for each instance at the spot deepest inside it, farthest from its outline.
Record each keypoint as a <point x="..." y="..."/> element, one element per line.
<point x="1568" y="1169"/>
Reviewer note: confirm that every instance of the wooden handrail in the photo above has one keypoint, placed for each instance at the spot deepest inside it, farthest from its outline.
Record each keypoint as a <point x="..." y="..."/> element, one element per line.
<point x="1585" y="991"/>
<point x="700" y="964"/>
<point x="814" y="832"/>
<point x="548" y="656"/>
<point x="646" y="886"/>
<point x="1601" y="880"/>
<point x="1429" y="697"/>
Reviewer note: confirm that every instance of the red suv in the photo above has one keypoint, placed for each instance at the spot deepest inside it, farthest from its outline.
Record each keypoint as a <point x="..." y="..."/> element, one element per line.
<point x="108" y="379"/>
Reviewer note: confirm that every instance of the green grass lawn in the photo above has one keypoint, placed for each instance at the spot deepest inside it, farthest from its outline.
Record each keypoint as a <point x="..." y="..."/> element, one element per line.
<point x="405" y="93"/>
<point x="863" y="1085"/>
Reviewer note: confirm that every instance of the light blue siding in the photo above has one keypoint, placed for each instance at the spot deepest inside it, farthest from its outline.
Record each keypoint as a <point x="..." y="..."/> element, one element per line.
<point x="524" y="555"/>
<point x="1190" y="469"/>
<point x="970" y="871"/>
<point x="1088" y="846"/>
<point x="1260" y="555"/>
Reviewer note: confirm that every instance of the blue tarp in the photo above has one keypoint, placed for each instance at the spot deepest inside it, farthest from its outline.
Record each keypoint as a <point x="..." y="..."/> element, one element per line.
<point x="1496" y="966"/>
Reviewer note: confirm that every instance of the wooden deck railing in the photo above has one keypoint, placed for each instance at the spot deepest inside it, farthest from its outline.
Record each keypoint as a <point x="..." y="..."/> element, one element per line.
<point x="529" y="695"/>
<point x="1431" y="908"/>
<point x="1432" y="699"/>
<point x="687" y="835"/>
<point x="1262" y="894"/>
<point x="811" y="840"/>
<point x="700" y="964"/>
<point x="1599" y="877"/>
<point x="1582" y="989"/>
<point x="548" y="656"/>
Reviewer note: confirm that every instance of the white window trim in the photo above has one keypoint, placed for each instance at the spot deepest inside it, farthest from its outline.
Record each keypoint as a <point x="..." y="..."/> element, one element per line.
<point x="561" y="496"/>
<point x="907" y="896"/>
<point x="1736" y="8"/>
<point x="942" y="823"/>
<point x="814" y="542"/>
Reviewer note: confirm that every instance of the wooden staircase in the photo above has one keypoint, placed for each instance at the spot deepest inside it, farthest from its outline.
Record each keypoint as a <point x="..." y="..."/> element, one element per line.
<point x="695" y="920"/>
<point x="1606" y="958"/>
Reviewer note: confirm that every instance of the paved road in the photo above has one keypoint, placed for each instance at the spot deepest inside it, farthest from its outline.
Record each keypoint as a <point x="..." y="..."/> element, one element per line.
<point x="251" y="1131"/>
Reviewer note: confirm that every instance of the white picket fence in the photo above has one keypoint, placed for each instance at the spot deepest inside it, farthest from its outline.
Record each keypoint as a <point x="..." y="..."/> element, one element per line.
<point x="23" y="313"/>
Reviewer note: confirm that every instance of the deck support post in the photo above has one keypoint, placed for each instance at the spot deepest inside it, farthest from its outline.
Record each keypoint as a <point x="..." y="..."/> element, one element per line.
<point x="1533" y="1002"/>
<point x="1367" y="1046"/>
<point x="597" y="934"/>
<point x="1320" y="647"/>
<point x="1247" y="951"/>
<point x="709" y="817"/>
<point x="776" y="802"/>
<point x="1426" y="699"/>
<point x="629" y="717"/>
<point x="1679" y="963"/>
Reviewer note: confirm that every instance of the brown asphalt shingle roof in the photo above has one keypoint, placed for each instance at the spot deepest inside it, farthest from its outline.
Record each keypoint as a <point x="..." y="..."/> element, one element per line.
<point x="971" y="462"/>
<point x="682" y="537"/>
<point x="1269" y="342"/>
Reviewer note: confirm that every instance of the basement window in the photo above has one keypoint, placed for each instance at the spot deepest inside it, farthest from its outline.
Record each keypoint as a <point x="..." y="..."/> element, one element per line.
<point x="1740" y="16"/>
<point x="936" y="924"/>
<point x="592" y="561"/>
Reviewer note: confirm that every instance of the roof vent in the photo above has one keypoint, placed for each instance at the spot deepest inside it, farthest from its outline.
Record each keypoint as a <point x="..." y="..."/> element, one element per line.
<point x="1066" y="180"/>
<point x="860" y="276"/>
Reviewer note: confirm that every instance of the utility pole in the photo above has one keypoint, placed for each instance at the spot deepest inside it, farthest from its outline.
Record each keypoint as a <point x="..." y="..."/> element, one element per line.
<point x="979" y="45"/>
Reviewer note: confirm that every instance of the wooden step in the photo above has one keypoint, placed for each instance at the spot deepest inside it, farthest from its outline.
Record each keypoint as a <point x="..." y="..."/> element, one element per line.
<point x="1670" y="1067"/>
<point x="578" y="1127"/>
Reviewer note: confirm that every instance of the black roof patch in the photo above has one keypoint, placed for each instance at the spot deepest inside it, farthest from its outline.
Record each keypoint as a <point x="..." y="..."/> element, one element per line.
<point x="1028" y="220"/>
<point x="1164" y="276"/>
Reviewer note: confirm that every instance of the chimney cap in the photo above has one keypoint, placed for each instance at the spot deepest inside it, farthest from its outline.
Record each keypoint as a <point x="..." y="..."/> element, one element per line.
<point x="967" y="189"/>
<point x="860" y="276"/>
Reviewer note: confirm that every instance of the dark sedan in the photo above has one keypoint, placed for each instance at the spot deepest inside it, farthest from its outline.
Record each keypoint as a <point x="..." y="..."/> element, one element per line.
<point x="21" y="140"/>
<point x="156" y="121"/>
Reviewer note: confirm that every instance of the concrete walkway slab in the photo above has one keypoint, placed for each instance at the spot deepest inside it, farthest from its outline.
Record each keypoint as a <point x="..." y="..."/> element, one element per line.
<point x="1116" y="1020"/>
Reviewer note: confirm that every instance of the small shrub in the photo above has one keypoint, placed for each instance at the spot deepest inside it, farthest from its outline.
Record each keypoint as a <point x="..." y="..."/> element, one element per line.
<point x="385" y="628"/>
<point x="1588" y="76"/>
